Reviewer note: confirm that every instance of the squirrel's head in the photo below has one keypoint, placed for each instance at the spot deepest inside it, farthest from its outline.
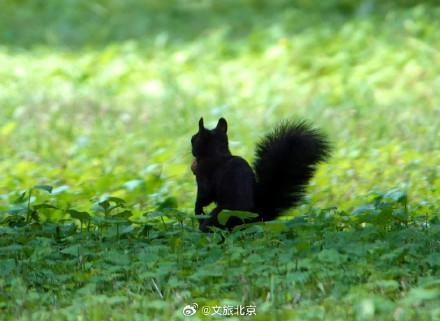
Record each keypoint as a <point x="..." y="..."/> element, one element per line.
<point x="211" y="142"/>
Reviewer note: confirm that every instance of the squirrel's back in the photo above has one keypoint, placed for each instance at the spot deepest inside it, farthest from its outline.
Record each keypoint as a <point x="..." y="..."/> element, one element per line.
<point x="284" y="163"/>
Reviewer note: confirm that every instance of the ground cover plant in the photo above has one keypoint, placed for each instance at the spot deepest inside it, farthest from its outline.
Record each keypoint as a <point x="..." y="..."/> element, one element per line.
<point x="98" y="101"/>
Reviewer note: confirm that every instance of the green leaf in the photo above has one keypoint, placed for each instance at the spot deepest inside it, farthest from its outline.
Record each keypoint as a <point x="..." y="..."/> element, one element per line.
<point x="418" y="296"/>
<point x="133" y="184"/>
<point x="104" y="205"/>
<point x="169" y="202"/>
<point x="46" y="188"/>
<point x="60" y="189"/>
<point x="275" y="226"/>
<point x="20" y="199"/>
<point x="156" y="214"/>
<point x="15" y="220"/>
<point x="43" y="205"/>
<point x="125" y="215"/>
<point x="224" y="216"/>
<point x="82" y="216"/>
<point x="73" y="250"/>
<point x="202" y="217"/>
<point x="118" y="201"/>
<point x="117" y="258"/>
<point x="7" y="267"/>
<point x="13" y="248"/>
<point x="396" y="195"/>
<point x="364" y="209"/>
<point x="331" y="256"/>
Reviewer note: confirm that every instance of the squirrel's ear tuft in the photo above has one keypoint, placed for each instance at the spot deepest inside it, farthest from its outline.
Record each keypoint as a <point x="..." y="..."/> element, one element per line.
<point x="222" y="125"/>
<point x="201" y="126"/>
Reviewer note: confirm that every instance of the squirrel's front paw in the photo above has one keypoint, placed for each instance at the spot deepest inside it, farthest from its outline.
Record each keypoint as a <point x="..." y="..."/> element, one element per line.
<point x="204" y="226"/>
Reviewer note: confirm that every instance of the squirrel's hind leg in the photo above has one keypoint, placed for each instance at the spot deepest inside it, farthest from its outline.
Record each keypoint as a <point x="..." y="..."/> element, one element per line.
<point x="211" y="221"/>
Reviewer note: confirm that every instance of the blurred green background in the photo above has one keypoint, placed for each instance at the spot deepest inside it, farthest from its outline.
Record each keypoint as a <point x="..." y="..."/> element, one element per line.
<point x="100" y="98"/>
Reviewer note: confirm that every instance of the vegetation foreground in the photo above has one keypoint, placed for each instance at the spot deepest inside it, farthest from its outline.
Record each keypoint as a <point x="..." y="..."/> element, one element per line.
<point x="98" y="104"/>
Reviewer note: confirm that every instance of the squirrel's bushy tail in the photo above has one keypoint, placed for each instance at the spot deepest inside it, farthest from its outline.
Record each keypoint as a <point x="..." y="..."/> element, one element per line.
<point x="284" y="163"/>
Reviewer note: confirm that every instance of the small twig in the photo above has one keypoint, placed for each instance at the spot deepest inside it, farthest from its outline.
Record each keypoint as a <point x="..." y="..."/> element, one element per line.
<point x="29" y="206"/>
<point x="157" y="288"/>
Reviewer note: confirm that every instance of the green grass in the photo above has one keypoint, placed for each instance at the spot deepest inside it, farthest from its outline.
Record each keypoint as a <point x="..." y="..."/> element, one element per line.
<point x="100" y="99"/>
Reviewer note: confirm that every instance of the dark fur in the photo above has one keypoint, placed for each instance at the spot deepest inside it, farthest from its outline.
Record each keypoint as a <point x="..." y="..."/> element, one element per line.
<point x="284" y="163"/>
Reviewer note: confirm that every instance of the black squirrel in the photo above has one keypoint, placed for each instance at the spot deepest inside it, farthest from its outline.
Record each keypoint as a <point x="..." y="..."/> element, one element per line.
<point x="285" y="161"/>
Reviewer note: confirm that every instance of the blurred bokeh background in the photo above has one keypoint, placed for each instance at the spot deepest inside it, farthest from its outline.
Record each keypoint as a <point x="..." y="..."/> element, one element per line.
<point x="101" y="98"/>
